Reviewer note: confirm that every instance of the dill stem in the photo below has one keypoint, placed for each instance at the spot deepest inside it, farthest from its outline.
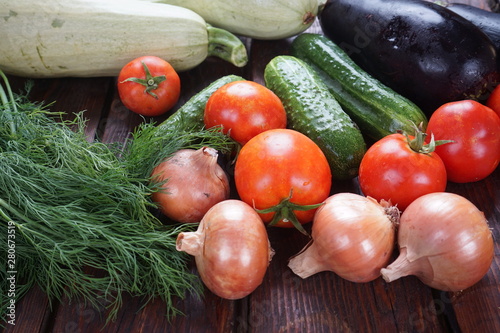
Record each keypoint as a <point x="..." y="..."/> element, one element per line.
<point x="13" y="210"/>
<point x="5" y="216"/>
<point x="19" y="226"/>
<point x="5" y="100"/>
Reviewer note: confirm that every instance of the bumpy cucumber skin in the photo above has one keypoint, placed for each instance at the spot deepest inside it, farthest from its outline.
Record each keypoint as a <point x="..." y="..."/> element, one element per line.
<point x="312" y="110"/>
<point x="375" y="108"/>
<point x="190" y="115"/>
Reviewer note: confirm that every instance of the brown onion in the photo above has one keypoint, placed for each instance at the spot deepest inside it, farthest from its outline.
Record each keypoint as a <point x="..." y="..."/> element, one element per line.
<point x="231" y="249"/>
<point x="445" y="241"/>
<point x="195" y="182"/>
<point x="352" y="236"/>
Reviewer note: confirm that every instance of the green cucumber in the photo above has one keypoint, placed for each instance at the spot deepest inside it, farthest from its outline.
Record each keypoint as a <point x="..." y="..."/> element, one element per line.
<point x="190" y="115"/>
<point x="312" y="110"/>
<point x="375" y="108"/>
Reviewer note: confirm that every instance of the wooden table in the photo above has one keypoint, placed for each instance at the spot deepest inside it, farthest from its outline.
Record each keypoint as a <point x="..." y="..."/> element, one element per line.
<point x="284" y="302"/>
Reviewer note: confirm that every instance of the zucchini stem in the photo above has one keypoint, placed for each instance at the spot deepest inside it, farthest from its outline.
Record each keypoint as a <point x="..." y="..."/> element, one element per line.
<point x="225" y="45"/>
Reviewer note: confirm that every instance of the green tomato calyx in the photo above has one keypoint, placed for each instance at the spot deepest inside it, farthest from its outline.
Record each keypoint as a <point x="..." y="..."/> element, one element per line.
<point x="284" y="211"/>
<point x="150" y="82"/>
<point x="417" y="144"/>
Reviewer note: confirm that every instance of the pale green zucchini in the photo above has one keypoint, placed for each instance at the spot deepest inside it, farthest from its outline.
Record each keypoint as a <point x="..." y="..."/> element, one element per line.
<point x="269" y="19"/>
<point x="85" y="38"/>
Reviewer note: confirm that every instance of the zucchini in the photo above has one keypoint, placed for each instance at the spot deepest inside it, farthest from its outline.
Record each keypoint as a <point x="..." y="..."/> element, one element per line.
<point x="312" y="110"/>
<point x="422" y="50"/>
<point x="270" y="19"/>
<point x="190" y="115"/>
<point x="375" y="108"/>
<point x="85" y="38"/>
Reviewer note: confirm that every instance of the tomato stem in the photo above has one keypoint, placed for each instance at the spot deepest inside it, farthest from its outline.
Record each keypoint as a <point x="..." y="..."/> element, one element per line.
<point x="284" y="211"/>
<point x="418" y="145"/>
<point x="150" y="82"/>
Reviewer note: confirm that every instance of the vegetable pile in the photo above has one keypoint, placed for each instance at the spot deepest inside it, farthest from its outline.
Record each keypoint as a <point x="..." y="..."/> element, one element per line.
<point x="90" y="216"/>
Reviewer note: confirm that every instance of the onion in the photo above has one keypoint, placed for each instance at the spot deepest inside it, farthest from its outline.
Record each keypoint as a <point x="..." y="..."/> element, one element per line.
<point x="445" y="241"/>
<point x="231" y="249"/>
<point x="195" y="183"/>
<point x="352" y="236"/>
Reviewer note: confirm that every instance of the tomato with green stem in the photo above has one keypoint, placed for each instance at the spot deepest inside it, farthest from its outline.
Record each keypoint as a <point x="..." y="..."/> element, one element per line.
<point x="149" y="86"/>
<point x="284" y="175"/>
<point x="475" y="131"/>
<point x="400" y="168"/>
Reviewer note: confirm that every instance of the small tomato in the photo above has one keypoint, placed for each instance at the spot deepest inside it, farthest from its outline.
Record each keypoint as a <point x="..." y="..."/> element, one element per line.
<point x="244" y="109"/>
<point x="475" y="131"/>
<point x="401" y="169"/>
<point x="282" y="173"/>
<point x="149" y="86"/>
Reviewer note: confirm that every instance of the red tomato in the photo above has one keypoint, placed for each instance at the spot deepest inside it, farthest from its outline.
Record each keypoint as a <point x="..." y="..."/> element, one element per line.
<point x="494" y="100"/>
<point x="475" y="130"/>
<point x="279" y="161"/>
<point x="244" y="109"/>
<point x="392" y="170"/>
<point x="149" y="86"/>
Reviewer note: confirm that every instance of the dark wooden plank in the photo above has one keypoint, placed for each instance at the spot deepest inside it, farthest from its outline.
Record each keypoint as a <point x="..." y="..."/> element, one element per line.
<point x="199" y="314"/>
<point x="70" y="96"/>
<point x="32" y="313"/>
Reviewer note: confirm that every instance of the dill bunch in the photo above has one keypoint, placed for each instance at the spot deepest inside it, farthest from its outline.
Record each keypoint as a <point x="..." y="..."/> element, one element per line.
<point x="77" y="204"/>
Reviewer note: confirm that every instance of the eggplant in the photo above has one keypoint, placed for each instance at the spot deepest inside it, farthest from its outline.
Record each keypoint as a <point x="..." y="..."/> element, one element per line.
<point x="485" y="20"/>
<point x="422" y="50"/>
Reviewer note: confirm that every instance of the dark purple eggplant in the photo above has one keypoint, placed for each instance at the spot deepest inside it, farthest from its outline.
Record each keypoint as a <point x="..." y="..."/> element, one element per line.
<point x="423" y="51"/>
<point x="487" y="21"/>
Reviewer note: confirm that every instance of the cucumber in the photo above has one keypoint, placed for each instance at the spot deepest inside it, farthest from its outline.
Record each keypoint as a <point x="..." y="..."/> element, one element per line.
<point x="312" y="110"/>
<point x="190" y="115"/>
<point x="375" y="108"/>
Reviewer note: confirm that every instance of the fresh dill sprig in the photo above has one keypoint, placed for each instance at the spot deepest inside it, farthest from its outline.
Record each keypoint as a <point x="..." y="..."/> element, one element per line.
<point x="77" y="204"/>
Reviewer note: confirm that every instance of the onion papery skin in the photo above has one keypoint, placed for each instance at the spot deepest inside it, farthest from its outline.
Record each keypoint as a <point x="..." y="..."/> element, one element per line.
<point x="352" y="236"/>
<point x="194" y="183"/>
<point x="231" y="249"/>
<point x="445" y="241"/>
